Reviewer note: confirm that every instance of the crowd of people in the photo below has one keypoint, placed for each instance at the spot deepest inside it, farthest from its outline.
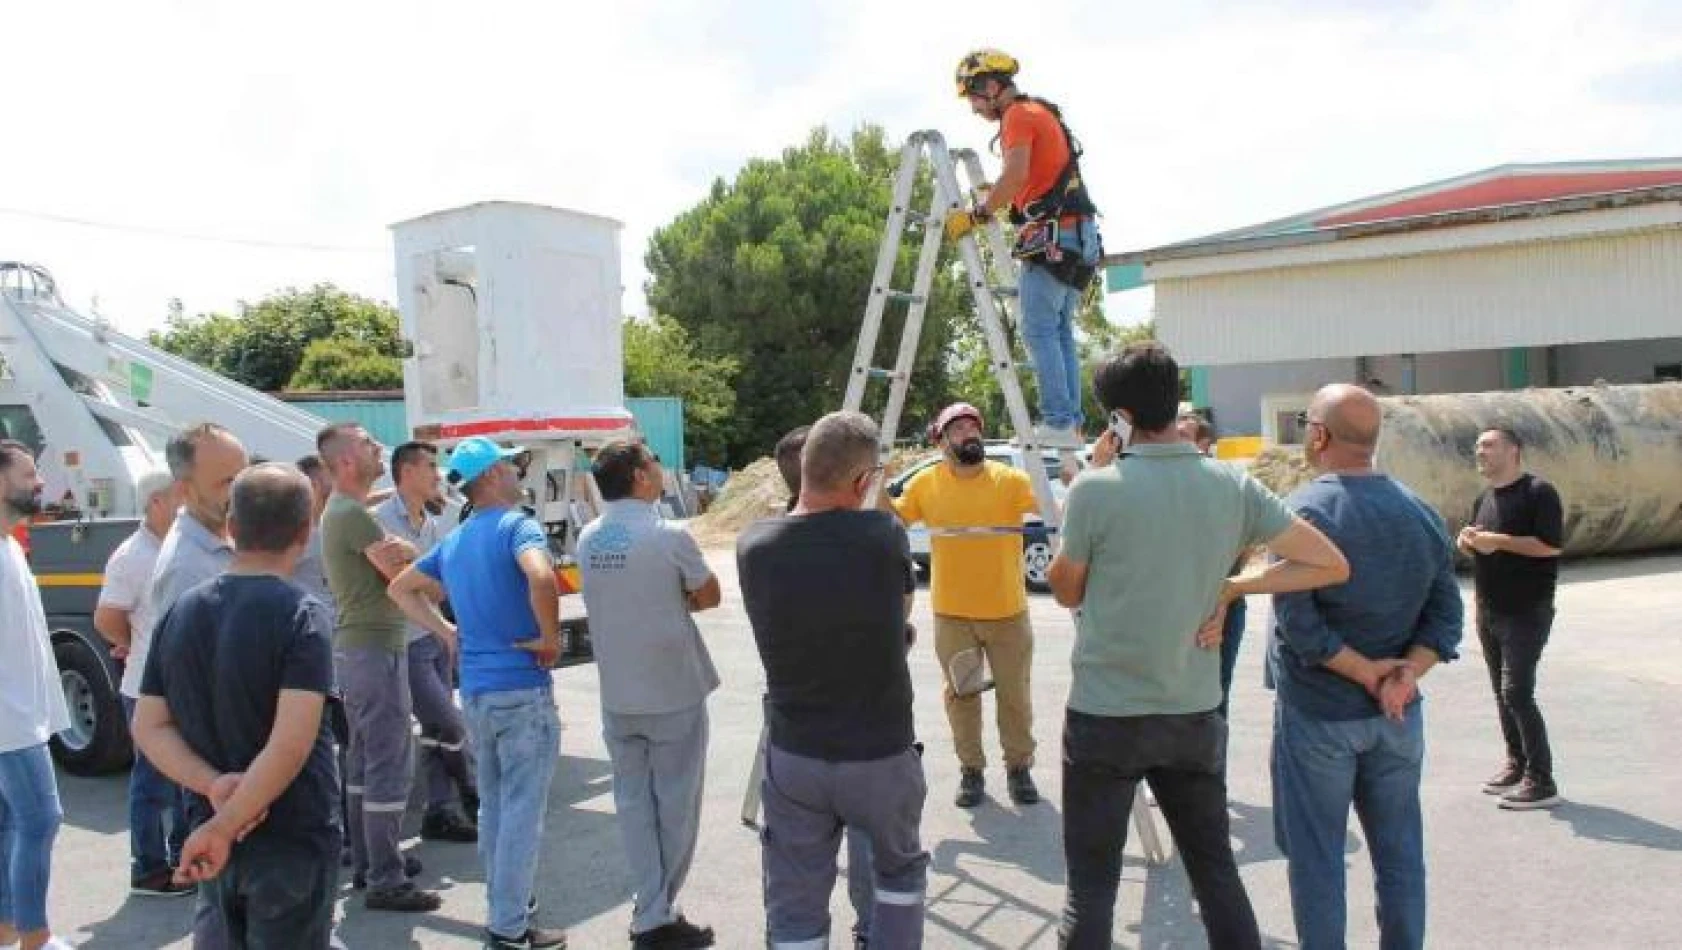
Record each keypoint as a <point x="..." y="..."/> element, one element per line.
<point x="255" y="601"/>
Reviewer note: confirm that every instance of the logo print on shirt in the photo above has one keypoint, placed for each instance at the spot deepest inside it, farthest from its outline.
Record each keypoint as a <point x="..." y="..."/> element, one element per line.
<point x="609" y="547"/>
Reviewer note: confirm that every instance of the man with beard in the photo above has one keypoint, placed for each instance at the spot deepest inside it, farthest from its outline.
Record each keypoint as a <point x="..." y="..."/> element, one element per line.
<point x="979" y="596"/>
<point x="1042" y="189"/>
<point x="1514" y="540"/>
<point x="452" y="803"/>
<point x="32" y="709"/>
<point x="203" y="460"/>
<point x="372" y="667"/>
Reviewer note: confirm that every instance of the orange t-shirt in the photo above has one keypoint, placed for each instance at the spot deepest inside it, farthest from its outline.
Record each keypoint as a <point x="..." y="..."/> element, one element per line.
<point x="1033" y="125"/>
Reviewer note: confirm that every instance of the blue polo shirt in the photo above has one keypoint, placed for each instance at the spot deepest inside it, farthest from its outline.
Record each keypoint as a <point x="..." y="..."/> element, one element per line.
<point x="477" y="564"/>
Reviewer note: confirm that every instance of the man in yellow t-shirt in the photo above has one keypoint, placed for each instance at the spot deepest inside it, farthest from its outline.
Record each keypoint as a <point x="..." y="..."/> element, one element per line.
<point x="980" y="600"/>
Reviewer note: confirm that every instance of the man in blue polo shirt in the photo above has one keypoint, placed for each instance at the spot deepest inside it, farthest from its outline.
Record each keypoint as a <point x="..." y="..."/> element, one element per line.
<point x="497" y="572"/>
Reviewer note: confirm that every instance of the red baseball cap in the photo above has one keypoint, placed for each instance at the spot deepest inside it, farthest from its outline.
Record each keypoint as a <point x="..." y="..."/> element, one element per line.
<point x="951" y="414"/>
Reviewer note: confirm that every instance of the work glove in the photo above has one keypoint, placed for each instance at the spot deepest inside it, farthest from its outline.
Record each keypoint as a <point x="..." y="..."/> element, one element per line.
<point x="960" y="223"/>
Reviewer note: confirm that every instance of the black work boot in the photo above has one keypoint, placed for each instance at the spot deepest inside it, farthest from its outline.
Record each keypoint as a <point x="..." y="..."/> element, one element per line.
<point x="1022" y="790"/>
<point x="972" y="786"/>
<point x="446" y="824"/>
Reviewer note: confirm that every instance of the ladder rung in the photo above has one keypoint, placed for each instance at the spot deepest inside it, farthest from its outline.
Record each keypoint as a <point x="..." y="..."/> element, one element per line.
<point x="903" y="296"/>
<point x="1003" y="290"/>
<point x="878" y="372"/>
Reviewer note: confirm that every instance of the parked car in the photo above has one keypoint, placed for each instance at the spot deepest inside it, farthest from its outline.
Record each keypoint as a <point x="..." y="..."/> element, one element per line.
<point x="1037" y="549"/>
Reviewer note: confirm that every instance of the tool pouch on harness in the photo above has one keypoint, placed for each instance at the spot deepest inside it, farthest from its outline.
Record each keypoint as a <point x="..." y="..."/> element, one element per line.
<point x="1069" y="253"/>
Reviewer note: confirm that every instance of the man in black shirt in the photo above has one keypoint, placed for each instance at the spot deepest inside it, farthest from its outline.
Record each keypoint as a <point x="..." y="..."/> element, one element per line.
<point x="1514" y="539"/>
<point x="827" y="589"/>
<point x="231" y="708"/>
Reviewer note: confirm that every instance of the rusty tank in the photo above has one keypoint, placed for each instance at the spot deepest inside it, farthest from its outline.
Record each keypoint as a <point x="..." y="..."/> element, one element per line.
<point x="1614" y="453"/>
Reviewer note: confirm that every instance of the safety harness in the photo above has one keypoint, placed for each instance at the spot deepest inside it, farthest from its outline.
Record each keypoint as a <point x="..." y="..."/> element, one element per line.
<point x="1038" y="223"/>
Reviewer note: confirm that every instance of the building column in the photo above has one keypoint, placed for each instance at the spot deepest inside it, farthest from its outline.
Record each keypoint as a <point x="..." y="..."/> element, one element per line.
<point x="1198" y="377"/>
<point x="1515" y="368"/>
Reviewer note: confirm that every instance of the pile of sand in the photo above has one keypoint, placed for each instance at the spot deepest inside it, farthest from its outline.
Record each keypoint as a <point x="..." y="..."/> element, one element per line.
<point x="1281" y="470"/>
<point x="758" y="492"/>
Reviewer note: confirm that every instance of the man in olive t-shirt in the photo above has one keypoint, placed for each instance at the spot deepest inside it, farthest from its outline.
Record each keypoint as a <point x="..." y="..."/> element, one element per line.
<point x="372" y="667"/>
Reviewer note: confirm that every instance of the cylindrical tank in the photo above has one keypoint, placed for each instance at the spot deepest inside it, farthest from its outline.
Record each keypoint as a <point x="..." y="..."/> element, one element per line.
<point x="1614" y="453"/>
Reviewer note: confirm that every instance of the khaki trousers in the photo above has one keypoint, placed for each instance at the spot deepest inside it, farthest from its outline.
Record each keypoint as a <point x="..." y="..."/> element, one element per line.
<point x="1008" y="645"/>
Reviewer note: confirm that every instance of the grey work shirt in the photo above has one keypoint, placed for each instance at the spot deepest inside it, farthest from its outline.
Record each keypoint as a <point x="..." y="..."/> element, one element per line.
<point x="636" y="568"/>
<point x="393" y="516"/>
<point x="190" y="555"/>
<point x="311" y="574"/>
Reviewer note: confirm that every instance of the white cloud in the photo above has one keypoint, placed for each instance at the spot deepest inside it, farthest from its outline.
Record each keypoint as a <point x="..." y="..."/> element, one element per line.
<point x="320" y="123"/>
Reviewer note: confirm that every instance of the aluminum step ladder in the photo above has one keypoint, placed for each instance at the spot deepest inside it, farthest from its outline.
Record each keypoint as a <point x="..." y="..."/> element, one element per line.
<point x="990" y="272"/>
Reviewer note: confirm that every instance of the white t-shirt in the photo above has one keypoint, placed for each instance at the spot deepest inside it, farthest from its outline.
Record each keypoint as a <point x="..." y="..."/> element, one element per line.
<point x="128" y="586"/>
<point x="31" y="700"/>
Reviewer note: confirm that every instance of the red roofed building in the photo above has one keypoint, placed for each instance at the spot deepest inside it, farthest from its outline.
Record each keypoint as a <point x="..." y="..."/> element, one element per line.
<point x="1521" y="275"/>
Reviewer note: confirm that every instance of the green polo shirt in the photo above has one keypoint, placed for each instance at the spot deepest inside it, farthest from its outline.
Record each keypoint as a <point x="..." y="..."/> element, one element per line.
<point x="367" y="617"/>
<point x="1158" y="530"/>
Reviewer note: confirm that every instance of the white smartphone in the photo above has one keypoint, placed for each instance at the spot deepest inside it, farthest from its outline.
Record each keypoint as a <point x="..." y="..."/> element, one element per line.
<point x="1118" y="425"/>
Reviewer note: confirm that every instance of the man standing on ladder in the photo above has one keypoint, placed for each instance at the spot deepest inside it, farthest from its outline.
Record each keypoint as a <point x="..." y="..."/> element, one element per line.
<point x="980" y="599"/>
<point x="1057" y="236"/>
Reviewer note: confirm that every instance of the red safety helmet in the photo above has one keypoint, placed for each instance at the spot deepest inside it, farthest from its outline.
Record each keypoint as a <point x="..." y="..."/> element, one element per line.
<point x="951" y="414"/>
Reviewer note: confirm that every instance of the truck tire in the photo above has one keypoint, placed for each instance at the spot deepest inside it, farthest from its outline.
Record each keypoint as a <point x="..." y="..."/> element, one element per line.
<point x="1036" y="559"/>
<point x="97" y="742"/>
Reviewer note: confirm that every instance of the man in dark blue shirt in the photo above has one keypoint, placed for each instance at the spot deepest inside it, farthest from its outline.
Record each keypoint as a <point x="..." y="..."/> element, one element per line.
<point x="1348" y="724"/>
<point x="231" y="708"/>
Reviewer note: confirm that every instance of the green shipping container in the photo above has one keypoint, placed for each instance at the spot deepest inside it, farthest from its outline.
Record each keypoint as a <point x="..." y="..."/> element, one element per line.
<point x="661" y="420"/>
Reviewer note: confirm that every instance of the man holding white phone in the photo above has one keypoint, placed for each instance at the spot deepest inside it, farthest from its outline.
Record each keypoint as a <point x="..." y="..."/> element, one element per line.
<point x="1151" y="530"/>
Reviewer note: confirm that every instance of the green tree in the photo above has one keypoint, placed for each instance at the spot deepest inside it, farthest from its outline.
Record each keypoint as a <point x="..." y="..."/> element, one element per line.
<point x="263" y="346"/>
<point x="773" y="270"/>
<point x="337" y="363"/>
<point x="661" y="360"/>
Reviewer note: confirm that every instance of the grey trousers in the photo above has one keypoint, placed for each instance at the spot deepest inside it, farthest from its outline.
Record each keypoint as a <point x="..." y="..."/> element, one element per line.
<point x="659" y="768"/>
<point x="377" y="768"/>
<point x="446" y="757"/>
<point x="807" y="804"/>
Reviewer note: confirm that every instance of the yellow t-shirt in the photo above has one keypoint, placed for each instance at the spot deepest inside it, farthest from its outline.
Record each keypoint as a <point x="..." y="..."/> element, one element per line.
<point x="977" y="577"/>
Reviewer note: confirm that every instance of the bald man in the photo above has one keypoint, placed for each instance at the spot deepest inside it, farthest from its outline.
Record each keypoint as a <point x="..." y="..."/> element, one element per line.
<point x="1347" y="660"/>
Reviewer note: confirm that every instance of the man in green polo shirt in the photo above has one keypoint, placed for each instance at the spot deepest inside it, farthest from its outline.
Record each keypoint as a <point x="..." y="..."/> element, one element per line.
<point x="370" y="659"/>
<point x="1150" y="537"/>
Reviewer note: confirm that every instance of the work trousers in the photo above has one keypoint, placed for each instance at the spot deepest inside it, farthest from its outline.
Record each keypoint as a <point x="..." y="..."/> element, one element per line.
<point x="277" y="895"/>
<point x="807" y="804"/>
<point x="659" y="769"/>
<point x="1008" y="645"/>
<point x="446" y="757"/>
<point x="375" y="682"/>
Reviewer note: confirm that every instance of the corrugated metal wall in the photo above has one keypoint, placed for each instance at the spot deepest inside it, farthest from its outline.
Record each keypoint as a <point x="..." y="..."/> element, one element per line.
<point x="659" y="417"/>
<point x="1559" y="292"/>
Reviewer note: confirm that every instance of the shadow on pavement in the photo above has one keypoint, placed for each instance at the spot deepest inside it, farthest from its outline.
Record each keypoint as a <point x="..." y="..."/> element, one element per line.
<point x="99" y="804"/>
<point x="1617" y="827"/>
<point x="1026" y="839"/>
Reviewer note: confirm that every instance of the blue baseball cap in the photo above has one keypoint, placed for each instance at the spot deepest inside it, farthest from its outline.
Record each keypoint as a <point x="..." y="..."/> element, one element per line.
<point x="473" y="457"/>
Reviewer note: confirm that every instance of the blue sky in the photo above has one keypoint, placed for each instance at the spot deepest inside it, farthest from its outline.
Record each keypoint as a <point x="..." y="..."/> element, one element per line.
<point x="295" y="133"/>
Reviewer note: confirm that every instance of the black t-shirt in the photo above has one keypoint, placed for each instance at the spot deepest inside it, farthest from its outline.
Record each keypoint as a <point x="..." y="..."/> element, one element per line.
<point x="826" y="596"/>
<point x="1529" y="507"/>
<point x="220" y="658"/>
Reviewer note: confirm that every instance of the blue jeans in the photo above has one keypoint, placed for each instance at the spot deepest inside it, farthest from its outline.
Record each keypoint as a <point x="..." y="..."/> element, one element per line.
<point x="1320" y="768"/>
<point x="1232" y="636"/>
<point x="29" y="818"/>
<point x="1048" y="328"/>
<point x="152" y="797"/>
<point x="517" y="736"/>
